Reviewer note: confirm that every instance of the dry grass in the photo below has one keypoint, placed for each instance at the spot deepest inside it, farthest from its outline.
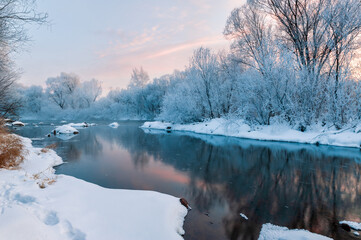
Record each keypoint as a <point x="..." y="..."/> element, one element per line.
<point x="43" y="182"/>
<point x="10" y="149"/>
<point x="51" y="146"/>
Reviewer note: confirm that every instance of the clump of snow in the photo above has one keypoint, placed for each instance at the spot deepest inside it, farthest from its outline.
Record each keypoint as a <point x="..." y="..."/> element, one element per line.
<point x="243" y="216"/>
<point x="353" y="225"/>
<point x="275" y="132"/>
<point x="272" y="232"/>
<point x="18" y="124"/>
<point x="36" y="139"/>
<point x="114" y="125"/>
<point x="37" y="204"/>
<point x="66" y="129"/>
<point x="79" y="125"/>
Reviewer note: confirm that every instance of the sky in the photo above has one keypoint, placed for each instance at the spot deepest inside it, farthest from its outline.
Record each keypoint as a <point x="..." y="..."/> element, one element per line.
<point x="105" y="40"/>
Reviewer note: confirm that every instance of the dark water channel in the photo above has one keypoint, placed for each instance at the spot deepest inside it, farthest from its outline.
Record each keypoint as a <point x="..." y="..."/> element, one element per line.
<point x="292" y="185"/>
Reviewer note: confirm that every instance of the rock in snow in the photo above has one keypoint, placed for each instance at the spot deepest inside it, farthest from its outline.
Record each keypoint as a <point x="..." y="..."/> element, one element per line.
<point x="66" y="129"/>
<point x="353" y="225"/>
<point x="37" y="204"/>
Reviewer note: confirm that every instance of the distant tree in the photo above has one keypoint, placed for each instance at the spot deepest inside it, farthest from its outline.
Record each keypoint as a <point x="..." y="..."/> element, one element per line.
<point x="139" y="78"/>
<point x="34" y="98"/>
<point x="89" y="91"/>
<point x="61" y="89"/>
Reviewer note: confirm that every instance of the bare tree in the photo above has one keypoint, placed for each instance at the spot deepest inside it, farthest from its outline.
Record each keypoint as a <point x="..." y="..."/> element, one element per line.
<point x="251" y="37"/>
<point x="139" y="78"/>
<point x="344" y="21"/>
<point x="14" y="16"/>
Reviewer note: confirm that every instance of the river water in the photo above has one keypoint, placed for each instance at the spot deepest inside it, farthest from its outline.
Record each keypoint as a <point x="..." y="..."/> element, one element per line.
<point x="292" y="185"/>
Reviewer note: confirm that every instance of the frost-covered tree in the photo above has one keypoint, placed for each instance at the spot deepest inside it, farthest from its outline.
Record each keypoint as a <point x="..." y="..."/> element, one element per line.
<point x="139" y="78"/>
<point x="201" y="91"/>
<point x="88" y="92"/>
<point x="61" y="89"/>
<point x="301" y="52"/>
<point x="34" y="98"/>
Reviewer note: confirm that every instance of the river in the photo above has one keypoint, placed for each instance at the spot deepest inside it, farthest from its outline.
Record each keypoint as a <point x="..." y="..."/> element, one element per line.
<point x="293" y="185"/>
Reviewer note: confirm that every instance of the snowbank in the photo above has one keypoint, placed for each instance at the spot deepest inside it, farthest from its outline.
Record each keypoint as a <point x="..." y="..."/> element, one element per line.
<point x="237" y="128"/>
<point x="37" y="204"/>
<point x="114" y="125"/>
<point x="272" y="232"/>
<point x="66" y="129"/>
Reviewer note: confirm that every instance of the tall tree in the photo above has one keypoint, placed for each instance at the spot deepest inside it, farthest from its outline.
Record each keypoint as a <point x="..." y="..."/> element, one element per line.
<point x="14" y="16"/>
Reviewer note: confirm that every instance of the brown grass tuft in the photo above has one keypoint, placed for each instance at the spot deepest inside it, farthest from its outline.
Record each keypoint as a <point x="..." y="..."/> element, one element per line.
<point x="51" y="146"/>
<point x="11" y="149"/>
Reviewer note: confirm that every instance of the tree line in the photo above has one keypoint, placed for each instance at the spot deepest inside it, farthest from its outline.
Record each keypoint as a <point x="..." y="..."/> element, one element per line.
<point x="292" y="61"/>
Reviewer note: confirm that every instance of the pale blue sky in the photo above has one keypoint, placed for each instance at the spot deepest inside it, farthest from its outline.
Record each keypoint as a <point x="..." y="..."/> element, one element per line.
<point x="106" y="39"/>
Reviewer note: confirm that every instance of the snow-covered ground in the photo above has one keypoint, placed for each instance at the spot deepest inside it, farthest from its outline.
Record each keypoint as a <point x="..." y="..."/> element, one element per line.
<point x="273" y="232"/>
<point x="37" y="204"/>
<point x="349" y="137"/>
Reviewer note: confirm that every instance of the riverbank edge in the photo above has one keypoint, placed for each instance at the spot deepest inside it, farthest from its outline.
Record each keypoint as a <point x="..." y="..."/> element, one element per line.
<point x="348" y="137"/>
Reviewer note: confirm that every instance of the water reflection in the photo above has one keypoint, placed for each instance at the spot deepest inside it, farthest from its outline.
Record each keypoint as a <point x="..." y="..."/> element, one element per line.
<point x="293" y="185"/>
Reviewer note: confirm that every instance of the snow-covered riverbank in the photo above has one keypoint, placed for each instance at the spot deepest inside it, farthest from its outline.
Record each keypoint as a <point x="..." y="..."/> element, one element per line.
<point x="37" y="204"/>
<point x="350" y="137"/>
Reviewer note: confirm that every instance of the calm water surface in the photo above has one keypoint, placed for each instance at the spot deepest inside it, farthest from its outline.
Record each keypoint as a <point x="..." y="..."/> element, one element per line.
<point x="292" y="185"/>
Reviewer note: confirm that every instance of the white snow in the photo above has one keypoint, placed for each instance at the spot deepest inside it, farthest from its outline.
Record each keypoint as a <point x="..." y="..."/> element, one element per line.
<point x="244" y="216"/>
<point x="114" y="125"/>
<point x="66" y="129"/>
<point x="354" y="225"/>
<point x="69" y="208"/>
<point x="237" y="128"/>
<point x="79" y="125"/>
<point x="18" y="124"/>
<point x="273" y="232"/>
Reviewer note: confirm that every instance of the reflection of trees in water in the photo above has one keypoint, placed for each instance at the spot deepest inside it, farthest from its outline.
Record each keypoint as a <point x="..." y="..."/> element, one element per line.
<point x="297" y="188"/>
<point x="86" y="142"/>
<point x="294" y="189"/>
